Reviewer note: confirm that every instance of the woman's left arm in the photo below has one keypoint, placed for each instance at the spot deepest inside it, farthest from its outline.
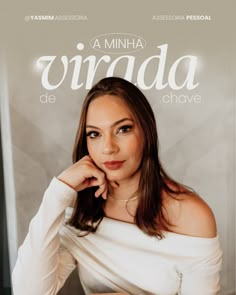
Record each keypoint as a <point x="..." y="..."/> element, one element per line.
<point x="200" y="267"/>
<point x="202" y="274"/>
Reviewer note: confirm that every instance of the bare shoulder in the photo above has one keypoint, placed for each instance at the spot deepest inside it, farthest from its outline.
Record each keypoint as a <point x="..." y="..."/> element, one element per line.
<point x="190" y="216"/>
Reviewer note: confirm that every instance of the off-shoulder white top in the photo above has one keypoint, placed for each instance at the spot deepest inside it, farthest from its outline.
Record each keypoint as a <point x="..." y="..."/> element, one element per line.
<point x="119" y="257"/>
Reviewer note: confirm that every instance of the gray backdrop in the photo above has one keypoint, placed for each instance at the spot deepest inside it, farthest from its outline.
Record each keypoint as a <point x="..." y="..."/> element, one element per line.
<point x="197" y="141"/>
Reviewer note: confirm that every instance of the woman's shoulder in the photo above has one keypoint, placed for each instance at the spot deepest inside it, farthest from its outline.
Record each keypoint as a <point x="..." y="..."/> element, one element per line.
<point x="190" y="215"/>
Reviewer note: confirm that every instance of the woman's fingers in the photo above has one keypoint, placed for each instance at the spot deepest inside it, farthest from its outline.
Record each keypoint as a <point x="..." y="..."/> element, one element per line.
<point x="99" y="180"/>
<point x="104" y="194"/>
<point x="102" y="190"/>
<point x="113" y="184"/>
<point x="84" y="174"/>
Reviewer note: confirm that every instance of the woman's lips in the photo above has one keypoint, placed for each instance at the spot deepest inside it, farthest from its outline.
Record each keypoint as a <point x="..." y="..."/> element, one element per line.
<point x="113" y="165"/>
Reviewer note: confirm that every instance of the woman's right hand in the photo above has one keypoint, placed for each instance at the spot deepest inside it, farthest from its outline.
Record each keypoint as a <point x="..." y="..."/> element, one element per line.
<point x="84" y="174"/>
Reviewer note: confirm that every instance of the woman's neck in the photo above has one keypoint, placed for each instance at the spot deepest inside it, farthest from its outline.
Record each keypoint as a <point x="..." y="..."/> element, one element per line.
<point x="125" y="188"/>
<point x="115" y="207"/>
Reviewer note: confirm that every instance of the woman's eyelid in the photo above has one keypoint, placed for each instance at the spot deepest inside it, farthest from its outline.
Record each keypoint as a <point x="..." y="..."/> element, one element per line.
<point x="89" y="133"/>
<point x="127" y="126"/>
<point x="119" y="127"/>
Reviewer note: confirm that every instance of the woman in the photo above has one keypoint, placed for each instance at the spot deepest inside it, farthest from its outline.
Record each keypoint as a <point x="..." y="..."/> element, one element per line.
<point x="133" y="229"/>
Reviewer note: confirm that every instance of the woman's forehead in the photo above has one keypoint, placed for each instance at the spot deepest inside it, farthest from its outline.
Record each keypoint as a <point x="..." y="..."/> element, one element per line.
<point x="108" y="106"/>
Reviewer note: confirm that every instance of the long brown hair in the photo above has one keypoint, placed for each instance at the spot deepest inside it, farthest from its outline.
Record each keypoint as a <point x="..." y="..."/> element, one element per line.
<point x="149" y="217"/>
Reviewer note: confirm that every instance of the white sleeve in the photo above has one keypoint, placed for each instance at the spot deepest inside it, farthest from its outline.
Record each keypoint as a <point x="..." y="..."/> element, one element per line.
<point x="201" y="274"/>
<point x="43" y="263"/>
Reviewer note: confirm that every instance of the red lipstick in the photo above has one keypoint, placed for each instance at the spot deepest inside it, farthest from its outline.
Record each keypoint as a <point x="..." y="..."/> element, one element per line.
<point x="113" y="165"/>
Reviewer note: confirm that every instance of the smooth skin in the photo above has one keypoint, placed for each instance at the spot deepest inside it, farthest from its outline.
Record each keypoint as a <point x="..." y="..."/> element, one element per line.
<point x="114" y="135"/>
<point x="84" y="174"/>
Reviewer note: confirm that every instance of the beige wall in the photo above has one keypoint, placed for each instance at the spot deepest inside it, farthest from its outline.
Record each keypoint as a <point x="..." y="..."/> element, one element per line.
<point x="197" y="141"/>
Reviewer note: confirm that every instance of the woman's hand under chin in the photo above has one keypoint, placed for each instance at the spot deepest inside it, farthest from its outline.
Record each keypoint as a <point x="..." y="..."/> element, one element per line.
<point x="84" y="174"/>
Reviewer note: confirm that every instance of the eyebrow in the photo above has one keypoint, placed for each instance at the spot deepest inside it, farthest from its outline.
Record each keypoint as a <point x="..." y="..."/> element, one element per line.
<point x="114" y="124"/>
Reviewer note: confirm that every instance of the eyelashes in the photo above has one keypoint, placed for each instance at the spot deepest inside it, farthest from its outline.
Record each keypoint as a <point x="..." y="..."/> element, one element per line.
<point x="92" y="134"/>
<point x="125" y="128"/>
<point x="121" y="130"/>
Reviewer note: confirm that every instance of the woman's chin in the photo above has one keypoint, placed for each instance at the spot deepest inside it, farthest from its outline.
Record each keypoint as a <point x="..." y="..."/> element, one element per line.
<point x="113" y="177"/>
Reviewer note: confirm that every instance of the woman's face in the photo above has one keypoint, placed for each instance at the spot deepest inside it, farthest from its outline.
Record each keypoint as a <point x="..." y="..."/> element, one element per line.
<point x="114" y="139"/>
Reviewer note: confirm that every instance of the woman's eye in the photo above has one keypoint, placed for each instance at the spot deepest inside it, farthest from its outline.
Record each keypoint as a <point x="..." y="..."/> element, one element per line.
<point x="92" y="134"/>
<point x="125" y="128"/>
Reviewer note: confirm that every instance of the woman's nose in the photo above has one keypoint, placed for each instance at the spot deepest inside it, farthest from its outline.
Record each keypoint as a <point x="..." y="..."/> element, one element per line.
<point x="110" y="146"/>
